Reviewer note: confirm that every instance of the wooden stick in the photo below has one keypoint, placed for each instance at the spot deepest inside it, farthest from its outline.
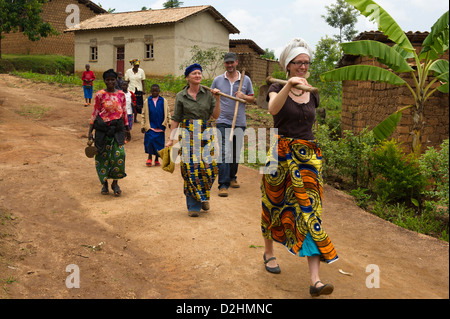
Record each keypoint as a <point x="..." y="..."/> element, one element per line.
<point x="225" y="95"/>
<point x="299" y="86"/>
<point x="236" y="108"/>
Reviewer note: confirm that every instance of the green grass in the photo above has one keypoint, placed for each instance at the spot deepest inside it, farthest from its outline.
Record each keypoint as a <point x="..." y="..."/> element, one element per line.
<point x="45" y="64"/>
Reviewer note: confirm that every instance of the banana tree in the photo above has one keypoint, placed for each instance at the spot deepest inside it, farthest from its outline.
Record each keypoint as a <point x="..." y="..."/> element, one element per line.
<point x="428" y="64"/>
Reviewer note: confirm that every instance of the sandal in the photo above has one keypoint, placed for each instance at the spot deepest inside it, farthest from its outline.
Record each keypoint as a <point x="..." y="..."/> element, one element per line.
<point x="149" y="163"/>
<point x="157" y="163"/>
<point x="116" y="189"/>
<point x="272" y="270"/>
<point x="324" y="290"/>
<point x="105" y="190"/>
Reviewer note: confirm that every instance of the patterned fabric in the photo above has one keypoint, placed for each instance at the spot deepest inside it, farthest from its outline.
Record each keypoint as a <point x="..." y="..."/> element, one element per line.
<point x="111" y="162"/>
<point x="292" y="191"/>
<point x="198" y="168"/>
<point x="110" y="106"/>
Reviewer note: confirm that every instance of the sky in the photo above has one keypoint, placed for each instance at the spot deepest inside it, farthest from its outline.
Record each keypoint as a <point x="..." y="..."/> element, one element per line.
<point x="272" y="24"/>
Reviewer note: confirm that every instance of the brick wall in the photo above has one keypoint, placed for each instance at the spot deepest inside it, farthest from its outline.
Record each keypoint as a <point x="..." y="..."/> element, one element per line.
<point x="366" y="104"/>
<point x="54" y="12"/>
<point x="258" y="69"/>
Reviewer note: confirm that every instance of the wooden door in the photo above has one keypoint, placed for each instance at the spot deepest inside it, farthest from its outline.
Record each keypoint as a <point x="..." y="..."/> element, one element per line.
<point x="120" y="58"/>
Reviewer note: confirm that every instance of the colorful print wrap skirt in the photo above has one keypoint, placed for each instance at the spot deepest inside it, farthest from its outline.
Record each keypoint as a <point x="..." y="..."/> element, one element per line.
<point x="198" y="167"/>
<point x="111" y="162"/>
<point x="292" y="192"/>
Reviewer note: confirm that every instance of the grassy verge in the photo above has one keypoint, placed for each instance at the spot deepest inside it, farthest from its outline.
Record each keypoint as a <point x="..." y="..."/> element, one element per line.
<point x="45" y="64"/>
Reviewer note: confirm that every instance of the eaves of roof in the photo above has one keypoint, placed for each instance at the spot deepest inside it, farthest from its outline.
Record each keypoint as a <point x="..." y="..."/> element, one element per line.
<point x="149" y="18"/>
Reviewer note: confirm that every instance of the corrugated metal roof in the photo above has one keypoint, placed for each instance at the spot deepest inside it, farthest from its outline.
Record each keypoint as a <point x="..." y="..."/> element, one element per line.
<point x="149" y="17"/>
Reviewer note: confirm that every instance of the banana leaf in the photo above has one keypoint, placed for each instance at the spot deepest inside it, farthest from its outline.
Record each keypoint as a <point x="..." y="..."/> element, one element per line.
<point x="385" y="22"/>
<point x="437" y="42"/>
<point x="443" y="88"/>
<point x="382" y="52"/>
<point x="362" y="73"/>
<point x="440" y="69"/>
<point x="383" y="130"/>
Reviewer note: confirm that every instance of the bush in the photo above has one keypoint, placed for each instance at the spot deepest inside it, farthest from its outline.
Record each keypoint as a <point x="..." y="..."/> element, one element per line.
<point x="397" y="176"/>
<point x="434" y="165"/>
<point x="347" y="158"/>
<point x="6" y="66"/>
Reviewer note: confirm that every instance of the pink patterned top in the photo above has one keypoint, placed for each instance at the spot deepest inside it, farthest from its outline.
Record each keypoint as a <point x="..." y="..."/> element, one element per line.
<point x="110" y="106"/>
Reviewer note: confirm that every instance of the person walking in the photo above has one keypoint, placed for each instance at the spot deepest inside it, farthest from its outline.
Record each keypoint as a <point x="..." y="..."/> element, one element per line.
<point x="155" y="120"/>
<point x="292" y="188"/>
<point x="136" y="78"/>
<point x="88" y="78"/>
<point x="194" y="107"/>
<point x="230" y="152"/>
<point x="109" y="120"/>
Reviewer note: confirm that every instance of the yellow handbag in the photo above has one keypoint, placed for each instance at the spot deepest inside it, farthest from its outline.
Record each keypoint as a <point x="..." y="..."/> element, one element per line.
<point x="167" y="164"/>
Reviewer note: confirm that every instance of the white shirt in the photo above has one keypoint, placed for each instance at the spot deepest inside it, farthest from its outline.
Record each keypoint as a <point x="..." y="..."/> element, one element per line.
<point x="135" y="79"/>
<point x="129" y="106"/>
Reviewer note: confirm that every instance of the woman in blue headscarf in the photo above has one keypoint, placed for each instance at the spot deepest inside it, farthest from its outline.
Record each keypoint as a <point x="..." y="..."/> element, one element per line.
<point x="194" y="107"/>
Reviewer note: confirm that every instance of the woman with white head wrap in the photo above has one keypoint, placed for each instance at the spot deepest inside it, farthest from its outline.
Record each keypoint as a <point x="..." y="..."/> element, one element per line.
<point x="292" y="189"/>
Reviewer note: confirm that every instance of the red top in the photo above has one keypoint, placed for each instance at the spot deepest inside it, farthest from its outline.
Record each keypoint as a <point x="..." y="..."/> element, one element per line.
<point x="88" y="77"/>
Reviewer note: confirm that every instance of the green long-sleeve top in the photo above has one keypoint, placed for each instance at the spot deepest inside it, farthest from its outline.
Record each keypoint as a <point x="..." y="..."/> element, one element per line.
<point x="186" y="108"/>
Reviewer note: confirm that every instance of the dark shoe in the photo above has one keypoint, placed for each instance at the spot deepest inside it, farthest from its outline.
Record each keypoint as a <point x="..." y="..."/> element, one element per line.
<point x="116" y="189"/>
<point x="105" y="190"/>
<point x="324" y="290"/>
<point x="205" y="205"/>
<point x="193" y="214"/>
<point x="272" y="270"/>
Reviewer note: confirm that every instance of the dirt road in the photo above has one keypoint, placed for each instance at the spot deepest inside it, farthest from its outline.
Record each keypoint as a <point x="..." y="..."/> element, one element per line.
<point x="144" y="245"/>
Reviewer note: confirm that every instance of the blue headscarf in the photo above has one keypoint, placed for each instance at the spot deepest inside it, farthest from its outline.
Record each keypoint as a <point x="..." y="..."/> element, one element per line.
<point x="192" y="68"/>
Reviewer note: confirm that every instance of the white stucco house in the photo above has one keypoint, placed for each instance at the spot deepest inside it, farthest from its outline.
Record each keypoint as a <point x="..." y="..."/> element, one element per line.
<point x="161" y="39"/>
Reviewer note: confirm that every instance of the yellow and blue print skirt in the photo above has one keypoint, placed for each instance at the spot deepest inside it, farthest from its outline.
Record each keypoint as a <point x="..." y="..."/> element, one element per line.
<point x="198" y="167"/>
<point x="110" y="164"/>
<point x="292" y="192"/>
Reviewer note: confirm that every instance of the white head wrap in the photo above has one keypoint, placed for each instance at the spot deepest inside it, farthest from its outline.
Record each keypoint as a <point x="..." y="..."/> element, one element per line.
<point x="292" y="49"/>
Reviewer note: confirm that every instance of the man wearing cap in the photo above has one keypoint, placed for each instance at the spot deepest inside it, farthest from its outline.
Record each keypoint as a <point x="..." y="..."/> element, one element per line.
<point x="228" y="83"/>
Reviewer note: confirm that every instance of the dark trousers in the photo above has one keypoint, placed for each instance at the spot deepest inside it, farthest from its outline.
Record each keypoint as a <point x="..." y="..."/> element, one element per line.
<point x="230" y="152"/>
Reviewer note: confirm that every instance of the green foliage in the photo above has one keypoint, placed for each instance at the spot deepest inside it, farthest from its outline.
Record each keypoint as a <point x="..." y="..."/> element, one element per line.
<point x="395" y="59"/>
<point x="434" y="165"/>
<point x="398" y="177"/>
<point x="172" y="4"/>
<point x="45" y="64"/>
<point x="347" y="157"/>
<point x="210" y="59"/>
<point x="24" y="15"/>
<point x="344" y="17"/>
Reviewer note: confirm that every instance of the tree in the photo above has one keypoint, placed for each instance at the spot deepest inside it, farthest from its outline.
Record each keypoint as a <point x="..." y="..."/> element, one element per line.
<point x="210" y="59"/>
<point x="344" y="17"/>
<point x="24" y="16"/>
<point x="172" y="4"/>
<point x="326" y="55"/>
<point x="427" y="64"/>
<point x="269" y="54"/>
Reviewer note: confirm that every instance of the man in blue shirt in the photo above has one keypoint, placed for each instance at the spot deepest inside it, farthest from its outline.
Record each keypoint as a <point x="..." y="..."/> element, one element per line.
<point x="228" y="83"/>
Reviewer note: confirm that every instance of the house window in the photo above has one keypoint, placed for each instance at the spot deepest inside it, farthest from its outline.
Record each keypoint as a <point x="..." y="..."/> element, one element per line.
<point x="149" y="51"/>
<point x="93" y="54"/>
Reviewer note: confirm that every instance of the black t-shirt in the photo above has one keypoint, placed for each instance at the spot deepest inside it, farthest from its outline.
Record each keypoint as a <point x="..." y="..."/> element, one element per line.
<point x="295" y="120"/>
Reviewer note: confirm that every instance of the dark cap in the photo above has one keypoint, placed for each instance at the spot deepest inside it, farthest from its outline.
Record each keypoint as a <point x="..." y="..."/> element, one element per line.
<point x="230" y="57"/>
